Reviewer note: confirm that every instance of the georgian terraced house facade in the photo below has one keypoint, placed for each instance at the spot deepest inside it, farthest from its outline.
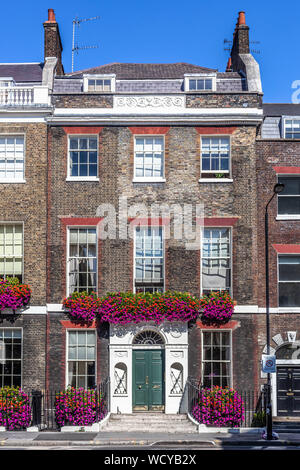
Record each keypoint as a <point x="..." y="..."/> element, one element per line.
<point x="146" y="134"/>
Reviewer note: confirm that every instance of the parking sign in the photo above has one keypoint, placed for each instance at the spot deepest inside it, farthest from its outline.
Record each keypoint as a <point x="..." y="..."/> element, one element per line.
<point x="268" y="364"/>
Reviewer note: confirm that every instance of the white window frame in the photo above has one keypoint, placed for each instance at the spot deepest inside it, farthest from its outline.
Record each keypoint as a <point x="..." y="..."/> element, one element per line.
<point x="163" y="252"/>
<point x="7" y="82"/>
<point x="287" y="216"/>
<point x="111" y="77"/>
<point x="149" y="179"/>
<point x="82" y="178"/>
<point x="200" y="76"/>
<point x="69" y="227"/>
<point x="23" y="236"/>
<point x="68" y="330"/>
<point x="230" y="259"/>
<point x="231" y="355"/>
<point x="289" y="118"/>
<point x="22" y="346"/>
<point x="15" y="180"/>
<point x="283" y="282"/>
<point x="228" y="172"/>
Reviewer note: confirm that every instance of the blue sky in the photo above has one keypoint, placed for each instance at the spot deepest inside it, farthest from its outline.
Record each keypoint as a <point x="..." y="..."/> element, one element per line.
<point x="160" y="31"/>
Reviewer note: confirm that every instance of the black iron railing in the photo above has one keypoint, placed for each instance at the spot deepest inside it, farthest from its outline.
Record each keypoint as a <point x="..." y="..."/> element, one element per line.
<point x="240" y="408"/>
<point x="44" y="410"/>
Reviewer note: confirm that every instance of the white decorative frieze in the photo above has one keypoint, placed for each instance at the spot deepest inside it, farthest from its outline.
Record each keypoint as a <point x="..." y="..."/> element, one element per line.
<point x="121" y="353"/>
<point x="176" y="353"/>
<point x="150" y="101"/>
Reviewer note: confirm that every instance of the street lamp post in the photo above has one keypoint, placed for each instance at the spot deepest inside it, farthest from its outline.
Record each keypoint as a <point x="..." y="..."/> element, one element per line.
<point x="278" y="188"/>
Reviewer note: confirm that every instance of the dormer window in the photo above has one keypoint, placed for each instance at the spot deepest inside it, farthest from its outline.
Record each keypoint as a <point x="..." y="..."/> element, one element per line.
<point x="6" y="82"/>
<point x="200" y="83"/>
<point x="99" y="83"/>
<point x="292" y="128"/>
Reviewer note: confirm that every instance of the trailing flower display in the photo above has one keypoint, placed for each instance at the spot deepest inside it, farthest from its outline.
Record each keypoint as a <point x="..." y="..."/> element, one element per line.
<point x="217" y="308"/>
<point x="13" y="294"/>
<point x="127" y="307"/>
<point x="122" y="308"/>
<point x="219" y="407"/>
<point x="78" y="407"/>
<point x="82" y="306"/>
<point x="15" y="410"/>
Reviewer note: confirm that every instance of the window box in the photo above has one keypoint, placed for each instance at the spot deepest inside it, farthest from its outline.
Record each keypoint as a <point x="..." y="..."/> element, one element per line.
<point x="217" y="308"/>
<point x="13" y="294"/>
<point x="81" y="306"/>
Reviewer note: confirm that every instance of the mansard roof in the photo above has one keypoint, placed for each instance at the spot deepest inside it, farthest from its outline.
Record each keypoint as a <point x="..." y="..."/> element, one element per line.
<point x="281" y="109"/>
<point x="22" y="72"/>
<point x="129" y="71"/>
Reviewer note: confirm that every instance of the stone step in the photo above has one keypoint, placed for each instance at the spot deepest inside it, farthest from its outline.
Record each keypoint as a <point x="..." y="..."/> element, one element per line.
<point x="166" y="419"/>
<point x="139" y="429"/>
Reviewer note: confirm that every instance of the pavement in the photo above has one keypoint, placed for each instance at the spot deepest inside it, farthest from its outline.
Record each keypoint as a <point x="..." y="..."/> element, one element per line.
<point x="105" y="439"/>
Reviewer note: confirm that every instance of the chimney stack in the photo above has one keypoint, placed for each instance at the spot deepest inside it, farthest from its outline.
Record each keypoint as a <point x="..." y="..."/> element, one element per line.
<point x="52" y="41"/>
<point x="240" y="44"/>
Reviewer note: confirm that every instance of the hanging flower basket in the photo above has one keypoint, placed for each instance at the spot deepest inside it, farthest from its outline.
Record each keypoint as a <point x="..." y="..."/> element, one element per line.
<point x="82" y="306"/>
<point x="122" y="308"/>
<point x="78" y="407"/>
<point x="15" y="411"/>
<point x="13" y="294"/>
<point x="221" y="407"/>
<point x="217" y="308"/>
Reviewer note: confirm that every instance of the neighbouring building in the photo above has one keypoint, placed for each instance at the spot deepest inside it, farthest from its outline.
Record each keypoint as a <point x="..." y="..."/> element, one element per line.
<point x="134" y="138"/>
<point x="278" y="160"/>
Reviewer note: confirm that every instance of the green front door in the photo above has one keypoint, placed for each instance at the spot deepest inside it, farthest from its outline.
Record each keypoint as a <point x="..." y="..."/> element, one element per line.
<point x="148" y="380"/>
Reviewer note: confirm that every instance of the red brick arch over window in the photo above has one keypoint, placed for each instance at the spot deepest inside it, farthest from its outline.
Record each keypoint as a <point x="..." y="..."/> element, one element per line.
<point x="82" y="130"/>
<point x="215" y="130"/>
<point x="149" y="130"/>
<point x="286" y="249"/>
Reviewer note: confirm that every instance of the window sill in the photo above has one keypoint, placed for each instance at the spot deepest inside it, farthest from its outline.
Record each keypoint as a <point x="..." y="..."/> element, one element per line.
<point x="288" y="309"/>
<point x="12" y="181"/>
<point x="149" y="180"/>
<point x="215" y="180"/>
<point x="288" y="217"/>
<point x="83" y="179"/>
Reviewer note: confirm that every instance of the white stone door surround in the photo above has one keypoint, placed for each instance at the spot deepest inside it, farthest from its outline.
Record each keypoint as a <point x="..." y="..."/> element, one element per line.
<point x="175" y="338"/>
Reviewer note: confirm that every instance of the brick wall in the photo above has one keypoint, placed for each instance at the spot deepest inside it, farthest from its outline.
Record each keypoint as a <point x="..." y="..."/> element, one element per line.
<point x="273" y="153"/>
<point x="27" y="203"/>
<point x="224" y="100"/>
<point x="83" y="100"/>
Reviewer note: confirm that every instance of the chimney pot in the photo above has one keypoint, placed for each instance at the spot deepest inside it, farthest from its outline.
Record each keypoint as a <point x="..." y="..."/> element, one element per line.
<point x="229" y="65"/>
<point x="242" y="18"/>
<point x="51" y="15"/>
